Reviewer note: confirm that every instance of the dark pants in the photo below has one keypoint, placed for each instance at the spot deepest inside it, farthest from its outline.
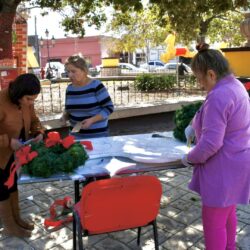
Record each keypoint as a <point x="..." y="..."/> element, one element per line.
<point x="4" y="175"/>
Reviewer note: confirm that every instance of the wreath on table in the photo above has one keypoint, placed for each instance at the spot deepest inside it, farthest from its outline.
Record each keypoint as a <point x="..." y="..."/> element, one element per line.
<point x="182" y="119"/>
<point x="54" y="155"/>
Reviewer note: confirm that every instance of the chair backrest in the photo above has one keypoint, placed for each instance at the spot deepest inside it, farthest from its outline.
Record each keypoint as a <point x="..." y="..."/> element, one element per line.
<point x="120" y="203"/>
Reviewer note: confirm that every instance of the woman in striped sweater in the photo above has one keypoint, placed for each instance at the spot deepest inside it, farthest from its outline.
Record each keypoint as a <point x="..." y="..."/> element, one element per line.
<point x="87" y="101"/>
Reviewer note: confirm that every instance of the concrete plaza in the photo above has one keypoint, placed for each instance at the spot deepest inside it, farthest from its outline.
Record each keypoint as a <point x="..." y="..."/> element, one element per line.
<point x="179" y="220"/>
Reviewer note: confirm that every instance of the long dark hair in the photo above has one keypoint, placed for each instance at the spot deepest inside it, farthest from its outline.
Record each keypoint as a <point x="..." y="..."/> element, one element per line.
<point x="25" y="84"/>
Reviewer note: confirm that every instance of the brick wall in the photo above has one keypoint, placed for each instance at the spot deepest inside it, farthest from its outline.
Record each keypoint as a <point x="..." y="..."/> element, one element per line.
<point x="20" y="45"/>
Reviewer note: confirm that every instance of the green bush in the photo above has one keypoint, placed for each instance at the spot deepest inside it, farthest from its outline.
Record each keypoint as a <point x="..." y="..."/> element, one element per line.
<point x="182" y="119"/>
<point x="148" y="82"/>
<point x="192" y="80"/>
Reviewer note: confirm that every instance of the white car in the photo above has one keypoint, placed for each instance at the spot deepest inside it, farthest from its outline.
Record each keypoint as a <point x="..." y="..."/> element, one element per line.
<point x="126" y="69"/>
<point x="130" y="69"/>
<point x="172" y="68"/>
<point x="152" y="65"/>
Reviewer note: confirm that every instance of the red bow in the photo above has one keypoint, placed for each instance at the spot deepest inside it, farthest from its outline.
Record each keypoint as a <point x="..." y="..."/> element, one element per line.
<point x="23" y="156"/>
<point x="66" y="203"/>
<point x="68" y="141"/>
<point x="54" y="138"/>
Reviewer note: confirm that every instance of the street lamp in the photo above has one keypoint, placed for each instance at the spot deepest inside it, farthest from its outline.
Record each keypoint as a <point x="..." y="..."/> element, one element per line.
<point x="48" y="44"/>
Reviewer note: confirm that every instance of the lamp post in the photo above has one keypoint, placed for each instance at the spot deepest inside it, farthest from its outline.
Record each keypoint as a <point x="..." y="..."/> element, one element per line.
<point x="49" y="44"/>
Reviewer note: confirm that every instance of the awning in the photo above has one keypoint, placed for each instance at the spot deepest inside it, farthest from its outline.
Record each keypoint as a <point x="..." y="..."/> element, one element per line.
<point x="31" y="59"/>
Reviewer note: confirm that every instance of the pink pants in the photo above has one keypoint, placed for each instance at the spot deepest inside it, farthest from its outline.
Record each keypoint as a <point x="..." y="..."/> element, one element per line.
<point x="219" y="226"/>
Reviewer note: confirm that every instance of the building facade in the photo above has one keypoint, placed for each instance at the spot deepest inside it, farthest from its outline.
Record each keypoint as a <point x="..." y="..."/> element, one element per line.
<point x="93" y="48"/>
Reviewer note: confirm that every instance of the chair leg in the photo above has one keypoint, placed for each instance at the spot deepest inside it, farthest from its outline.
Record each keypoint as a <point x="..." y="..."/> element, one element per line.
<point x="77" y="230"/>
<point x="139" y="236"/>
<point x="74" y="231"/>
<point x="155" y="235"/>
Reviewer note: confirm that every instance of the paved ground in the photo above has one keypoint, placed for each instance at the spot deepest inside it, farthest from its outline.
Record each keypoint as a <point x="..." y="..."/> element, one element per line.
<point x="179" y="220"/>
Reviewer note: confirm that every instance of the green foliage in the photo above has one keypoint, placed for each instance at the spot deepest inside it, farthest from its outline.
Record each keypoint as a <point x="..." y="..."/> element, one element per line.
<point x="192" y="18"/>
<point x="140" y="29"/>
<point x="55" y="159"/>
<point x="192" y="80"/>
<point x="183" y="118"/>
<point x="148" y="82"/>
<point x="80" y="13"/>
<point x="188" y="18"/>
<point x="227" y="29"/>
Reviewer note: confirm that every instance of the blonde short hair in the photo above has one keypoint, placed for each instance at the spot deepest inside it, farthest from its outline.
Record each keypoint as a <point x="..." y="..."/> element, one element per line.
<point x="78" y="61"/>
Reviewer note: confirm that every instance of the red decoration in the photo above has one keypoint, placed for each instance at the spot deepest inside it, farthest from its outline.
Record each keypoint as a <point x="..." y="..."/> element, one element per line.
<point x="87" y="144"/>
<point x="54" y="138"/>
<point x="247" y="85"/>
<point x="180" y="51"/>
<point x="66" y="203"/>
<point x="68" y="141"/>
<point x="23" y="156"/>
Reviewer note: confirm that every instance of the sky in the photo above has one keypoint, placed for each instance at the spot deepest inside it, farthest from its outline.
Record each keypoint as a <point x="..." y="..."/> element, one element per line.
<point x="52" y="23"/>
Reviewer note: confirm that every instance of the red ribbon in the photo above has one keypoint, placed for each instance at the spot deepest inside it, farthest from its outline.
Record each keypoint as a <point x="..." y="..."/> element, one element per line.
<point x="68" y="141"/>
<point x="54" y="138"/>
<point x="23" y="156"/>
<point x="87" y="144"/>
<point x="51" y="221"/>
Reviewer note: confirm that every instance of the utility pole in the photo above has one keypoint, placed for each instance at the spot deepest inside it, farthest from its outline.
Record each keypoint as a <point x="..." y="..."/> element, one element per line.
<point x="37" y="44"/>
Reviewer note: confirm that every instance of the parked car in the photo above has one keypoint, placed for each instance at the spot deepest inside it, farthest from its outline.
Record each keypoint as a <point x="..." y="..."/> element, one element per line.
<point x="172" y="68"/>
<point x="126" y="69"/>
<point x="152" y="65"/>
<point x="130" y="69"/>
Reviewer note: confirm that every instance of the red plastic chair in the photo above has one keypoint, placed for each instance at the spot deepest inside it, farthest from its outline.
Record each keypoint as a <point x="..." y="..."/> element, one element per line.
<point x="117" y="204"/>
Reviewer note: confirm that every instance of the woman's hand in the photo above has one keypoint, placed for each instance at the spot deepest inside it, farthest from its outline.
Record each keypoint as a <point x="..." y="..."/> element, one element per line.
<point x="190" y="134"/>
<point x="87" y="123"/>
<point x="15" y="144"/>
<point x="185" y="161"/>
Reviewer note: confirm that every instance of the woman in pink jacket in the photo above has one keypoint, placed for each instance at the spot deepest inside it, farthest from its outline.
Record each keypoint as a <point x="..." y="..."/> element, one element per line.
<point x="221" y="156"/>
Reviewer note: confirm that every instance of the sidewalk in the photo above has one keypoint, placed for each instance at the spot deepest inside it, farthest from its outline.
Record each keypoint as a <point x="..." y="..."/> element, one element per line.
<point x="179" y="220"/>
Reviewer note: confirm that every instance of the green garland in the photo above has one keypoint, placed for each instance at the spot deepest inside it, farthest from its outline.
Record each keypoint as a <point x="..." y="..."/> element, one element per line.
<point x="54" y="160"/>
<point x="183" y="118"/>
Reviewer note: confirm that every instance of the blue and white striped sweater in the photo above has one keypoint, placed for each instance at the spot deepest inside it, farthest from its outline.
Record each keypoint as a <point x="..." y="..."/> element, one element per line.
<point x="87" y="101"/>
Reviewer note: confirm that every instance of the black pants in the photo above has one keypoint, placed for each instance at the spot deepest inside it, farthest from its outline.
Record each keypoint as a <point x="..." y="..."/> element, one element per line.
<point x="4" y="175"/>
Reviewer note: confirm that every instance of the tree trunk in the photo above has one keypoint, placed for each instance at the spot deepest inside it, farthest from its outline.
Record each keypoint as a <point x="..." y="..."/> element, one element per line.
<point x="7" y="15"/>
<point x="204" y="28"/>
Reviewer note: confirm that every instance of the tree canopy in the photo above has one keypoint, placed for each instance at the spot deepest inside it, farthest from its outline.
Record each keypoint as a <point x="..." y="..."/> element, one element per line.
<point x="191" y="18"/>
<point x="137" y="29"/>
<point x="227" y="29"/>
<point x="188" y="18"/>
